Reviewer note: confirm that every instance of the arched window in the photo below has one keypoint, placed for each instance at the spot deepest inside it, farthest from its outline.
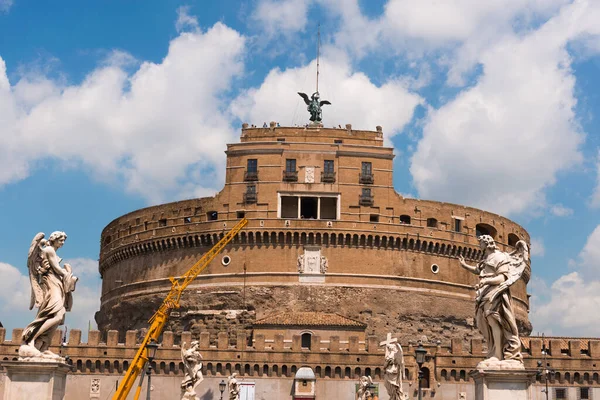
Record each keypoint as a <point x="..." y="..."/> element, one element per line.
<point x="512" y="239"/>
<point x="306" y="340"/>
<point x="405" y="219"/>
<point x="485" y="229"/>
<point x="425" y="378"/>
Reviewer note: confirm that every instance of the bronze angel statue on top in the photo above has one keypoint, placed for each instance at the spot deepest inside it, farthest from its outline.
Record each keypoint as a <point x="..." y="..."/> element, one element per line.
<point x="52" y="289"/>
<point x="314" y="106"/>
<point x="494" y="312"/>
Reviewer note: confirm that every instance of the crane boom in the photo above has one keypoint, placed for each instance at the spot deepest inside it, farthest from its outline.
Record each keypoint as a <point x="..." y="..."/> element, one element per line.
<point x="159" y="319"/>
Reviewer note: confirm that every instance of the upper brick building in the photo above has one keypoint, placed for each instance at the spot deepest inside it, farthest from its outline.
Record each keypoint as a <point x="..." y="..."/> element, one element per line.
<point x="327" y="232"/>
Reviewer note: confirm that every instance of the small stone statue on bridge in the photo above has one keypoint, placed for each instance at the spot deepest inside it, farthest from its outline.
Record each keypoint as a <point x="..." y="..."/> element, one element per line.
<point x="365" y="383"/>
<point x="233" y="387"/>
<point x="193" y="370"/>
<point x="393" y="368"/>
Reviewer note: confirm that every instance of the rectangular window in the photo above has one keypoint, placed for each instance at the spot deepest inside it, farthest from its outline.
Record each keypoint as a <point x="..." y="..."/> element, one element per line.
<point x="162" y="222"/>
<point x="252" y="165"/>
<point x="584" y="393"/>
<point x="457" y="225"/>
<point x="366" y="168"/>
<point x="338" y="141"/>
<point x="366" y="192"/>
<point x="560" y="393"/>
<point x="240" y="214"/>
<point x="187" y="220"/>
<point x="212" y="215"/>
<point x="328" y="208"/>
<point x="289" y="207"/>
<point x="290" y="165"/>
<point x="374" y="218"/>
<point x="328" y="166"/>
<point x="251" y="189"/>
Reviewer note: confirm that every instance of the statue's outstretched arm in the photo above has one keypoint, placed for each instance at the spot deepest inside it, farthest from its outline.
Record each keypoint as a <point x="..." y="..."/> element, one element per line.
<point x="470" y="268"/>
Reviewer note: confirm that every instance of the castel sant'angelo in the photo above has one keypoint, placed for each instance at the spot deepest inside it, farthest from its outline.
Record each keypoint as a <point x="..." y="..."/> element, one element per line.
<point x="331" y="261"/>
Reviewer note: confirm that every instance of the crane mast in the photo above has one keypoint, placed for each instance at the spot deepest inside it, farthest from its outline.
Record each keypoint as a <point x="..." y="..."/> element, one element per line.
<point x="159" y="319"/>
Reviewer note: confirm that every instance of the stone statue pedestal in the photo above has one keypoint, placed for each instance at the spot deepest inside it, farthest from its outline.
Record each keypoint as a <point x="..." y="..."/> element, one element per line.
<point x="491" y="384"/>
<point x="35" y="380"/>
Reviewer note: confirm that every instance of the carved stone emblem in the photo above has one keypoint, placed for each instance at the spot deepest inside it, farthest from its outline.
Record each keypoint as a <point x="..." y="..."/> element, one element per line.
<point x="309" y="175"/>
<point x="312" y="262"/>
<point x="95" y="388"/>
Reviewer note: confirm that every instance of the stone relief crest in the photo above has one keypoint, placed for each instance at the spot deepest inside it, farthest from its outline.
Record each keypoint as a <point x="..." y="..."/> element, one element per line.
<point x="312" y="262"/>
<point x="309" y="175"/>
<point x="95" y="388"/>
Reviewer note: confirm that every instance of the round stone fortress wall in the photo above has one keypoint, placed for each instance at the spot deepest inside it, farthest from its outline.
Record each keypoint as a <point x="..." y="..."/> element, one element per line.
<point x="394" y="274"/>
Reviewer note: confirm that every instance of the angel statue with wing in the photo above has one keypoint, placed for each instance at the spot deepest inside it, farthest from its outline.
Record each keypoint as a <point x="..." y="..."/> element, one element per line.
<point x="393" y="368"/>
<point x="193" y="370"/>
<point x="364" y="388"/>
<point x="314" y="106"/>
<point x="52" y="289"/>
<point x="494" y="313"/>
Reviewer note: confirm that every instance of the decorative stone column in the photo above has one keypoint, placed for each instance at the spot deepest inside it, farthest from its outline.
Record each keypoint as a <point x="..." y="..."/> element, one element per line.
<point x="503" y="384"/>
<point x="35" y="380"/>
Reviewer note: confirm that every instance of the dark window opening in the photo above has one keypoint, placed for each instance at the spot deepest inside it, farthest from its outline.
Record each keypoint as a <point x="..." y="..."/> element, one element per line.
<point x="250" y="195"/>
<point x="425" y="378"/>
<point x="137" y="221"/>
<point x="560" y="393"/>
<point x="308" y="207"/>
<point x="240" y="214"/>
<point x="457" y="225"/>
<point x="198" y="210"/>
<point x="584" y="393"/>
<point x="290" y="165"/>
<point x="512" y="239"/>
<point x="107" y="240"/>
<point x="145" y="225"/>
<point x="485" y="229"/>
<point x="328" y="174"/>
<point x="212" y="215"/>
<point x="432" y="223"/>
<point x="162" y="222"/>
<point x="187" y="220"/>
<point x="280" y="139"/>
<point x="328" y="208"/>
<point x="338" y="141"/>
<point x="289" y="207"/>
<point x="405" y="219"/>
<point x="366" y="173"/>
<point x="251" y="170"/>
<point x="374" y="218"/>
<point x="305" y="342"/>
<point x="365" y="198"/>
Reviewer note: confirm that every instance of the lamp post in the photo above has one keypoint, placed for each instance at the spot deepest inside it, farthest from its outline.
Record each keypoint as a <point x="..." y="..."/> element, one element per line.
<point x="420" y="358"/>
<point x="222" y="387"/>
<point x="151" y="348"/>
<point x="547" y="373"/>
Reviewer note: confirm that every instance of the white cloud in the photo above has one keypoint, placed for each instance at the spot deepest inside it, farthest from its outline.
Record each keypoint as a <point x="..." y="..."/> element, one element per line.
<point x="355" y="99"/>
<point x="5" y="5"/>
<point x="161" y="131"/>
<point x="561" y="211"/>
<point x="499" y="144"/>
<point x="537" y="247"/>
<point x="15" y="295"/>
<point x="284" y="17"/>
<point x="185" y="21"/>
<point x="595" y="199"/>
<point x="569" y="306"/>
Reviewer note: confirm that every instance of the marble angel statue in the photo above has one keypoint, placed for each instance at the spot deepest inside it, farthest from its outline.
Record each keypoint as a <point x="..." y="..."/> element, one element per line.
<point x="191" y="358"/>
<point x="394" y="370"/>
<point x="494" y="312"/>
<point x="364" y="388"/>
<point x="52" y="289"/>
<point x="233" y="387"/>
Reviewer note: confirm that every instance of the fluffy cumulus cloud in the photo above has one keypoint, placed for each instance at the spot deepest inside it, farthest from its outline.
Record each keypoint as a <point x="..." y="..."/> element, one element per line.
<point x="5" y="5"/>
<point x="537" y="247"/>
<point x="160" y="130"/>
<point x="500" y="143"/>
<point x="569" y="306"/>
<point x="355" y="98"/>
<point x="281" y="17"/>
<point x="15" y="295"/>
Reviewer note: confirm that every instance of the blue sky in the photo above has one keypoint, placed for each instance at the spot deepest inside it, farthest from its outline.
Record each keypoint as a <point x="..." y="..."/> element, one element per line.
<point x="113" y="106"/>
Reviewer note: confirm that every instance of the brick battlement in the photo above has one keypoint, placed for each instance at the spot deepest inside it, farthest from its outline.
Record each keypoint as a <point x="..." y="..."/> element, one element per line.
<point x="328" y="357"/>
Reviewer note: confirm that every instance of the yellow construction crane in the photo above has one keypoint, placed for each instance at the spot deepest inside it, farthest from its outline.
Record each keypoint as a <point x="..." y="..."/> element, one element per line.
<point x="159" y="319"/>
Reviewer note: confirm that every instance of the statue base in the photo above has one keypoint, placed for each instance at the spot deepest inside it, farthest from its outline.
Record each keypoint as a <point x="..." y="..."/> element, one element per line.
<point x="35" y="380"/>
<point x="503" y="384"/>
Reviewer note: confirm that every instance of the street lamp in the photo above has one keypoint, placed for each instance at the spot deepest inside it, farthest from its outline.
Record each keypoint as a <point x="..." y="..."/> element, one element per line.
<point x="151" y="348"/>
<point x="547" y="373"/>
<point x="222" y="387"/>
<point x="420" y="358"/>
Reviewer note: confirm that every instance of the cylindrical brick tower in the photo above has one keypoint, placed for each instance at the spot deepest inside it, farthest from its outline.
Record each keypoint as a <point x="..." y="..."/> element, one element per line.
<point x="327" y="232"/>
